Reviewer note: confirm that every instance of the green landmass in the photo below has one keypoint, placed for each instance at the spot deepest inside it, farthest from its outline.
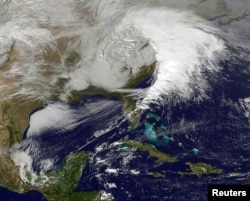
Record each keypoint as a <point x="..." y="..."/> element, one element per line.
<point x="200" y="169"/>
<point x="59" y="184"/>
<point x="14" y="118"/>
<point x="152" y="151"/>
<point x="62" y="183"/>
<point x="157" y="174"/>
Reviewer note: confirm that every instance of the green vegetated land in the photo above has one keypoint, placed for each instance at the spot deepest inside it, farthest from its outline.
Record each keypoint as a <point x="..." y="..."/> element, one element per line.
<point x="152" y="151"/>
<point x="201" y="169"/>
<point x="57" y="185"/>
<point x="157" y="174"/>
<point x="14" y="118"/>
<point x="62" y="183"/>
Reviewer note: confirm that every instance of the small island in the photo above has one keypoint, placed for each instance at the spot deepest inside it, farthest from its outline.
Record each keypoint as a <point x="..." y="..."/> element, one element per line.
<point x="157" y="174"/>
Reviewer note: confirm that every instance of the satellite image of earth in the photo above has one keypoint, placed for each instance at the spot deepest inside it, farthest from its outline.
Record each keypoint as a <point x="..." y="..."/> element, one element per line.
<point x="124" y="100"/>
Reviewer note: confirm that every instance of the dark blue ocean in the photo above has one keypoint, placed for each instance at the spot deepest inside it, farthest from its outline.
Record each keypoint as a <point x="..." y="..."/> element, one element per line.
<point x="7" y="195"/>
